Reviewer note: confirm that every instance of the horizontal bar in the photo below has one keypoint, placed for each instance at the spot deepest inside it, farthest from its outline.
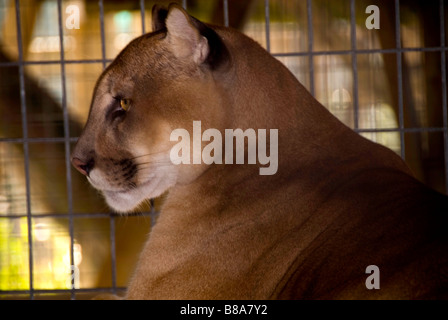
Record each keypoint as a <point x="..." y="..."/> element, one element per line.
<point x="285" y="54"/>
<point x="36" y="140"/>
<point x="359" y="51"/>
<point x="79" y="215"/>
<point x="404" y="130"/>
<point x="24" y="63"/>
<point x="49" y="291"/>
<point x="74" y="139"/>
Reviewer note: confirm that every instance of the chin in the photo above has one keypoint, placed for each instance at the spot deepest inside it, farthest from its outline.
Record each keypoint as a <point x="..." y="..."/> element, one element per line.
<point x="122" y="202"/>
<point x="128" y="201"/>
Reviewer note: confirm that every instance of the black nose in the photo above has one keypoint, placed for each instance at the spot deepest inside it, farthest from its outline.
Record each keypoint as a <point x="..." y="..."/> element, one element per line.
<point x="84" y="167"/>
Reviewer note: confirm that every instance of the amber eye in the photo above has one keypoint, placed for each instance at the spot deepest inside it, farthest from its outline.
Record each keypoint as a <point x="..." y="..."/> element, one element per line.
<point x="125" y="104"/>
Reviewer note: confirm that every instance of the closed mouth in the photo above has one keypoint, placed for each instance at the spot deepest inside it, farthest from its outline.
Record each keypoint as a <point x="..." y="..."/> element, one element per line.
<point x="132" y="187"/>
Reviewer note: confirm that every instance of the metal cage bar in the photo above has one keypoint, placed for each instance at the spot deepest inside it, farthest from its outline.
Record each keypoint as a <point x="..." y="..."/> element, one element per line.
<point x="66" y="142"/>
<point x="267" y="16"/>
<point x="142" y="15"/>
<point x="275" y="54"/>
<point x="354" y="64"/>
<point x="309" y="14"/>
<point x="399" y="77"/>
<point x="444" y="89"/>
<point x="25" y="147"/>
<point x="226" y="12"/>
<point x="111" y="216"/>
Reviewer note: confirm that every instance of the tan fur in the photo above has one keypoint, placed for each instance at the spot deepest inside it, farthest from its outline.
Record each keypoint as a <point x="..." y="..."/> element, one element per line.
<point x="337" y="204"/>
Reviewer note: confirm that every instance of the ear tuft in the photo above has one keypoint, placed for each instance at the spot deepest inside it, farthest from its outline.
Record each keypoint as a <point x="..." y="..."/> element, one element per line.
<point x="185" y="38"/>
<point x="159" y="15"/>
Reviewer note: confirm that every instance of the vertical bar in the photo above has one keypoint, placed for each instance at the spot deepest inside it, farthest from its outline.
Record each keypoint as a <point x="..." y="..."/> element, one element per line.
<point x="267" y="22"/>
<point x="111" y="217"/>
<point x="226" y="12"/>
<point x="25" y="146"/>
<point x="142" y="11"/>
<point x="66" y="143"/>
<point x="113" y="255"/>
<point x="184" y="4"/>
<point x="310" y="44"/>
<point x="354" y="63"/>
<point x="444" y="92"/>
<point x="103" y="42"/>
<point x="400" y="77"/>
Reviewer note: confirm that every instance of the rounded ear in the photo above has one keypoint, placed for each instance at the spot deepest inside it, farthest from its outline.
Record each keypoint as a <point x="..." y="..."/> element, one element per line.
<point x="159" y="15"/>
<point x="184" y="37"/>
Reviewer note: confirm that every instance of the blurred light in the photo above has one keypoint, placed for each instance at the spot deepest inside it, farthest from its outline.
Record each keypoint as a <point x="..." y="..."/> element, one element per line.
<point x="42" y="232"/>
<point x="123" y="21"/>
<point x="77" y="255"/>
<point x="340" y="98"/>
<point x="52" y="44"/>
<point x="4" y="204"/>
<point x="121" y="40"/>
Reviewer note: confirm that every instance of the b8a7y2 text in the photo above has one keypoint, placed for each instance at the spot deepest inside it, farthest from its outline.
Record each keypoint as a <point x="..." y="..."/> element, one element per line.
<point x="245" y="309"/>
